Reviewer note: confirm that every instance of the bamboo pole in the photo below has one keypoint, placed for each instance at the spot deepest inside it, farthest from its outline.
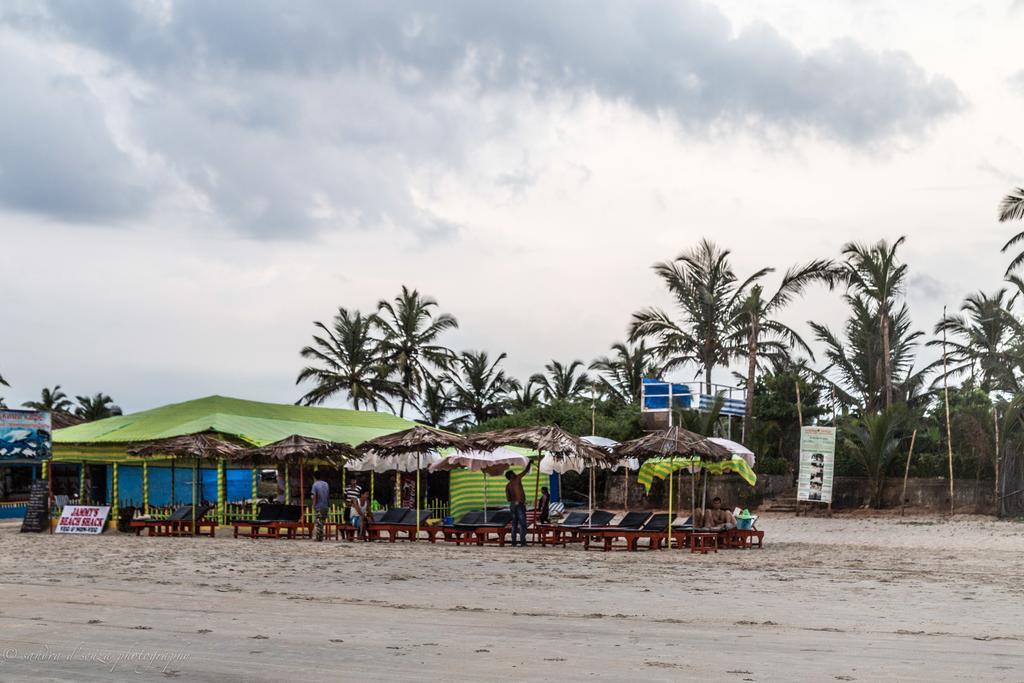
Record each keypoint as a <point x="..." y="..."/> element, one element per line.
<point x="145" y="487"/>
<point x="195" y="471"/>
<point x="625" y="495"/>
<point x="220" y="491"/>
<point x="287" y="484"/>
<point x="906" y="473"/>
<point x="949" y="429"/>
<point x="668" y="528"/>
<point x="81" y="483"/>
<point x="302" y="492"/>
<point x="417" y="495"/>
<point x="995" y="459"/>
<point x="255" y="489"/>
<point x="800" y="421"/>
<point x="398" y="488"/>
<point x="113" y="494"/>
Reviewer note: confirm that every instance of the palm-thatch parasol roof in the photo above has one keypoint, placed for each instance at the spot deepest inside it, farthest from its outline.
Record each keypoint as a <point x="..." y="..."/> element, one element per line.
<point x="547" y="438"/>
<point x="674" y="441"/>
<point x="418" y="439"/>
<point x="297" y="448"/>
<point x="201" y="446"/>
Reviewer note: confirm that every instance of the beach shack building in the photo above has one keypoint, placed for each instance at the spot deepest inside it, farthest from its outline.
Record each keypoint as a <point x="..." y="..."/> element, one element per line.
<point x="97" y="452"/>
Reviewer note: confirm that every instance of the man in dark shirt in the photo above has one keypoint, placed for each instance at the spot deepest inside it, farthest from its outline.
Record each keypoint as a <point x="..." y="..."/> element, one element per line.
<point x="516" y="497"/>
<point x="321" y="501"/>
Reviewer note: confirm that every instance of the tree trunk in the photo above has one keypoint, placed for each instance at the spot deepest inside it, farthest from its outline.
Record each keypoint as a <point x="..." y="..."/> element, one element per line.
<point x="748" y="414"/>
<point x="886" y="359"/>
<point x="707" y="378"/>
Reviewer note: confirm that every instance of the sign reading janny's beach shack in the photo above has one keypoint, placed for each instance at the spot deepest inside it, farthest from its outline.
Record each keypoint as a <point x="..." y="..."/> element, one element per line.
<point x="817" y="457"/>
<point x="82" y="519"/>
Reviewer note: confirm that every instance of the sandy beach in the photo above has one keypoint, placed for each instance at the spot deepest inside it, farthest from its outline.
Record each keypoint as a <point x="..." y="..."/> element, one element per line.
<point x="847" y="598"/>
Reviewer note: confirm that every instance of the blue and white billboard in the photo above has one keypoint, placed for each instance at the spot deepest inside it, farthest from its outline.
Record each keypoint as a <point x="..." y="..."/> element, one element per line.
<point x="25" y="435"/>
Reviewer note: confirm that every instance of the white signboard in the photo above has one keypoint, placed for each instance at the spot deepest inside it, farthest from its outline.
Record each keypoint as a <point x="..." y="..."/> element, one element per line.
<point x="82" y="519"/>
<point x="817" y="458"/>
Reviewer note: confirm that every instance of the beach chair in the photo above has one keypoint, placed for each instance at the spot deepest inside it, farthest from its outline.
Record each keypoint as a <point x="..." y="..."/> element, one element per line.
<point x="744" y="538"/>
<point x="472" y="529"/>
<point x="404" y="523"/>
<point x="178" y="523"/>
<point x="605" y="535"/>
<point x="271" y="520"/>
<point x="568" y="530"/>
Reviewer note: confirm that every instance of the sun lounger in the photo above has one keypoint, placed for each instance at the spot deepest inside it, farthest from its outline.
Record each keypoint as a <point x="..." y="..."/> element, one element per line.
<point x="178" y="523"/>
<point x="568" y="530"/>
<point x="272" y="519"/>
<point x="403" y="523"/>
<point x="472" y="529"/>
<point x="632" y="521"/>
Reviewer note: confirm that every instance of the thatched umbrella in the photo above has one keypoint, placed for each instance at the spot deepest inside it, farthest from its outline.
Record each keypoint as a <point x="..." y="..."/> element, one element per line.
<point x="418" y="440"/>
<point x="488" y="462"/>
<point x="546" y="438"/>
<point x="201" y="446"/>
<point x="298" y="449"/>
<point x="672" y="443"/>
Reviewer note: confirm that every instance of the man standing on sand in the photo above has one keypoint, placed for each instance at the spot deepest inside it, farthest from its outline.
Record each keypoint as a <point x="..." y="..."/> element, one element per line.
<point x="320" y="495"/>
<point x="516" y="496"/>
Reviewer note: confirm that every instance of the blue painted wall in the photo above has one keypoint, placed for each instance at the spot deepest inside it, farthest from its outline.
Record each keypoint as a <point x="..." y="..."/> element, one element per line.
<point x="129" y="484"/>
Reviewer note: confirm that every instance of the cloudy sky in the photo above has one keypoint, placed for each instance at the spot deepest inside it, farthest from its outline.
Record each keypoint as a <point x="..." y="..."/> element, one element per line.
<point x="186" y="186"/>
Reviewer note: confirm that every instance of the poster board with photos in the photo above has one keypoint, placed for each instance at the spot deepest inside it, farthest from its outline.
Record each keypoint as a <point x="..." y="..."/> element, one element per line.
<point x="817" y="464"/>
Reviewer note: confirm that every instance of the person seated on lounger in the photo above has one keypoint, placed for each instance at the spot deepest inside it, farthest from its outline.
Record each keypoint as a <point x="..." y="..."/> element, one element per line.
<point x="361" y="515"/>
<point x="717" y="517"/>
<point x="544" y="506"/>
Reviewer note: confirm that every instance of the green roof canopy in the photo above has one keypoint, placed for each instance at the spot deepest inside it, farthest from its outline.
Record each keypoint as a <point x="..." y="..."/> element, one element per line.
<point x="254" y="422"/>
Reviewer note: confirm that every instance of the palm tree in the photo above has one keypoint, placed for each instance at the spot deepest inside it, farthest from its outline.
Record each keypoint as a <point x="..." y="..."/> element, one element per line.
<point x="562" y="382"/>
<point x="874" y="273"/>
<point x="96" y="407"/>
<point x="1012" y="209"/>
<point x="858" y="361"/>
<point x="873" y="439"/>
<point x="623" y="374"/>
<point x="51" y="400"/>
<point x="759" y="335"/>
<point x="437" y="403"/>
<point x="3" y="382"/>
<point x="980" y="335"/>
<point x="348" y="360"/>
<point x="409" y="332"/>
<point x="707" y="293"/>
<point x="525" y="396"/>
<point x="481" y="387"/>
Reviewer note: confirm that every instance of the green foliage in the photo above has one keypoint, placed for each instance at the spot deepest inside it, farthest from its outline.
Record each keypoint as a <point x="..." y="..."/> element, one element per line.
<point x="776" y="433"/>
<point x="613" y="419"/>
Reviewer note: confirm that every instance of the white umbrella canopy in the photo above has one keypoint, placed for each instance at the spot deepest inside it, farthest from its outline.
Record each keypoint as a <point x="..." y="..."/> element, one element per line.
<point x="489" y="462"/>
<point x="550" y="465"/>
<point x="406" y="462"/>
<point x="735" y="448"/>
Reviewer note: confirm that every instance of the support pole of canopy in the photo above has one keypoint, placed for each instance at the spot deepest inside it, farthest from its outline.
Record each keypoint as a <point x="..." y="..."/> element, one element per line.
<point x="113" y="494"/>
<point x="49" y="494"/>
<point x="693" y="499"/>
<point x="668" y="528"/>
<point x="255" y="489"/>
<point x="81" y="484"/>
<point x="220" y="491"/>
<point x="590" y="491"/>
<point x="417" y="495"/>
<point x="145" y="487"/>
<point x="302" y="491"/>
<point x="625" y="491"/>
<point x="195" y="471"/>
<point x="485" y="498"/>
<point x="536" y="488"/>
<point x="287" y="485"/>
<point x="398" y="488"/>
<point x="372" y="478"/>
